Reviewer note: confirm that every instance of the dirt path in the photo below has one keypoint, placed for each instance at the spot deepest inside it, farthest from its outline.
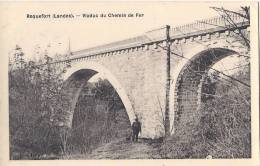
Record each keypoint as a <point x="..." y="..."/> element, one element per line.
<point x="123" y="149"/>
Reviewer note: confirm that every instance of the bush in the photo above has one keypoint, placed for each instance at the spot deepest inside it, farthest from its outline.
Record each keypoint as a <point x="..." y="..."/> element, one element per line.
<point x="224" y="128"/>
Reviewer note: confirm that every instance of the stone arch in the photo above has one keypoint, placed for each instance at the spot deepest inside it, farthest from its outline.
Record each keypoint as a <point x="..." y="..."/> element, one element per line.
<point x="78" y="74"/>
<point x="187" y="84"/>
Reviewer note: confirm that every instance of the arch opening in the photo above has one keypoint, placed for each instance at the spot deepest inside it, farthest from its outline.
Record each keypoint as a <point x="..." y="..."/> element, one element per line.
<point x="99" y="110"/>
<point x="99" y="117"/>
<point x="190" y="87"/>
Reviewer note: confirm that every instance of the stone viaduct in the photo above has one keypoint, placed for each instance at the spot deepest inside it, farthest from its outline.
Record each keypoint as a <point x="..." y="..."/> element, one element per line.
<point x="136" y="68"/>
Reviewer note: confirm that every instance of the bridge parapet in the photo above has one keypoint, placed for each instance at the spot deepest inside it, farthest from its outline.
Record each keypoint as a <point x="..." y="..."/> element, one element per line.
<point x="217" y="22"/>
<point x="198" y="28"/>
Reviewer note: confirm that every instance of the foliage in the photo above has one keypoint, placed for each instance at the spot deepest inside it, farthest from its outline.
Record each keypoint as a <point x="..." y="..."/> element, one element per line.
<point x="224" y="129"/>
<point x="33" y="95"/>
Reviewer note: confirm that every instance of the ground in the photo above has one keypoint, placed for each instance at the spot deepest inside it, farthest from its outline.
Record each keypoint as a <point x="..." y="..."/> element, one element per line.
<point x="122" y="149"/>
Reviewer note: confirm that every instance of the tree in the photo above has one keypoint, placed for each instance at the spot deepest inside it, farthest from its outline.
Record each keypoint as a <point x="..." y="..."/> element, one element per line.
<point x="228" y="15"/>
<point x="34" y="92"/>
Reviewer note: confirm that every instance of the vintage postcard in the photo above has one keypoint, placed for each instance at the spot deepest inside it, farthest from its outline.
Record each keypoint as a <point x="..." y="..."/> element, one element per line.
<point x="144" y="83"/>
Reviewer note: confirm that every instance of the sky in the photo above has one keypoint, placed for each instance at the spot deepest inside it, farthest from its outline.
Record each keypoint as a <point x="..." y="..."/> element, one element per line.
<point x="36" y="35"/>
<point x="57" y="36"/>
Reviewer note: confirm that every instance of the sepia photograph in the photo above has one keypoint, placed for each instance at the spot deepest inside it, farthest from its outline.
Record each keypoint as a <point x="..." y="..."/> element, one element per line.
<point x="99" y="81"/>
